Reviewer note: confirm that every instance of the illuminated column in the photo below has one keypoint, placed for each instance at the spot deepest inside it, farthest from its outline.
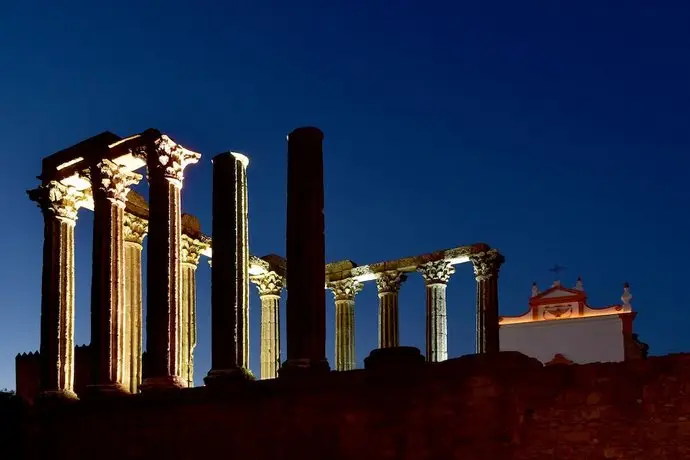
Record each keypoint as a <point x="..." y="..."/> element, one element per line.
<point x="344" y="292"/>
<point x="59" y="205"/>
<point x="165" y="162"/>
<point x="306" y="259"/>
<point x="230" y="271"/>
<point x="270" y="285"/>
<point x="135" y="231"/>
<point x="110" y="185"/>
<point x="436" y="276"/>
<point x="388" y="284"/>
<point x="189" y="261"/>
<point x="486" y="266"/>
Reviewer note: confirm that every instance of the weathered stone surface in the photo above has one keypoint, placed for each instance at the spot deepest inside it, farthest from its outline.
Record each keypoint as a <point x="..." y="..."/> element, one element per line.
<point x="502" y="406"/>
<point x="230" y="271"/>
<point x="305" y="309"/>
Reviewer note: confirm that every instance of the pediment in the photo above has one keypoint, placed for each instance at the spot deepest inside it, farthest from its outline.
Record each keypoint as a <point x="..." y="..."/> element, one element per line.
<point x="558" y="292"/>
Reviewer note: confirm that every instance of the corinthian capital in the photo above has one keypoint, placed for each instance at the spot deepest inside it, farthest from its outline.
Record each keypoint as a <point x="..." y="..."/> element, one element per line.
<point x="114" y="180"/>
<point x="163" y="155"/>
<point x="268" y="284"/>
<point x="57" y="199"/>
<point x="437" y="272"/>
<point x="135" y="228"/>
<point x="486" y="264"/>
<point x="345" y="289"/>
<point x="390" y="281"/>
<point x="191" y="249"/>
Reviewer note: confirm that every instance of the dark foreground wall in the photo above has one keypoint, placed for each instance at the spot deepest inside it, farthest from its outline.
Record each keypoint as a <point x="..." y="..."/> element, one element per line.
<point x="474" y="407"/>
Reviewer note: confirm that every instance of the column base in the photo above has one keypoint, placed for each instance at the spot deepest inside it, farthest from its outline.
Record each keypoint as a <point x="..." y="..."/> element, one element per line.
<point x="394" y="358"/>
<point x="227" y="377"/>
<point x="303" y="367"/>
<point x="167" y="382"/>
<point x="108" y="390"/>
<point x="57" y="396"/>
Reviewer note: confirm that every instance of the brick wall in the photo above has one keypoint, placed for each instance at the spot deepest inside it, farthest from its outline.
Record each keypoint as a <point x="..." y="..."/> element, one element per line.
<point x="475" y="407"/>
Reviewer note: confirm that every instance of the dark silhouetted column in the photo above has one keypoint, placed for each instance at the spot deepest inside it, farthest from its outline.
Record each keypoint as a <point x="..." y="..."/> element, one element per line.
<point x="486" y="266"/>
<point x="436" y="276"/>
<point x="59" y="204"/>
<point x="230" y="271"/>
<point x="165" y="162"/>
<point x="110" y="185"/>
<point x="306" y="261"/>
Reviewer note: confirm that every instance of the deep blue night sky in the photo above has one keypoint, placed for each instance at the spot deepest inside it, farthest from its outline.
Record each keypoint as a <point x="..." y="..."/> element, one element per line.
<point x="557" y="132"/>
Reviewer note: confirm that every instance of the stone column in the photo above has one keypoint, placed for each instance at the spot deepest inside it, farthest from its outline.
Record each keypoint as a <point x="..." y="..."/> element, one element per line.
<point x="134" y="234"/>
<point x="486" y="266"/>
<point x="110" y="185"/>
<point x="59" y="205"/>
<point x="165" y="162"/>
<point x="305" y="250"/>
<point x="388" y="284"/>
<point x="344" y="292"/>
<point x="436" y="275"/>
<point x="230" y="271"/>
<point x="270" y="286"/>
<point x="189" y="261"/>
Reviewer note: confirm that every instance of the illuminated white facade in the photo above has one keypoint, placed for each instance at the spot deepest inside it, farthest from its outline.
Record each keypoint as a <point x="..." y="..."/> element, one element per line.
<point x="560" y="327"/>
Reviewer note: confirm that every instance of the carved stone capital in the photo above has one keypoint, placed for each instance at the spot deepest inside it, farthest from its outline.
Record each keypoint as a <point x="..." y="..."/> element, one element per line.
<point x="390" y="281"/>
<point x="345" y="289"/>
<point x="437" y="272"/>
<point x="486" y="264"/>
<point x="167" y="157"/>
<point x="191" y="249"/>
<point x="268" y="284"/>
<point x="135" y="228"/>
<point x="114" y="180"/>
<point x="57" y="199"/>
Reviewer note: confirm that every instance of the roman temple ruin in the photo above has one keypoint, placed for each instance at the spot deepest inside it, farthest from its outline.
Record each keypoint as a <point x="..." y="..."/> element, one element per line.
<point x="98" y="173"/>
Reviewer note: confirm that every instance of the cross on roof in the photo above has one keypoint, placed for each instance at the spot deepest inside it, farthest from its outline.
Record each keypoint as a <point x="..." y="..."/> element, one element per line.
<point x="556" y="269"/>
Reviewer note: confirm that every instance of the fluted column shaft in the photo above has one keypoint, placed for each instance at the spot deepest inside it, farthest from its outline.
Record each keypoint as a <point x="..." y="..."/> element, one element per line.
<point x="230" y="269"/>
<point x="270" y="336"/>
<point x="344" y="292"/>
<point x="135" y="231"/>
<point x="436" y="276"/>
<point x="486" y="267"/>
<point x="191" y="252"/>
<point x="388" y="284"/>
<point x="165" y="163"/>
<point x="306" y="260"/>
<point x="59" y="205"/>
<point x="110" y="185"/>
<point x="270" y="286"/>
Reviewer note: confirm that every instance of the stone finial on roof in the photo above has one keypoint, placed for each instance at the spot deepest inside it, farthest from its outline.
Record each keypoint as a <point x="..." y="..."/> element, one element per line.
<point x="535" y="289"/>
<point x="579" y="285"/>
<point x="556" y="284"/>
<point x="627" y="296"/>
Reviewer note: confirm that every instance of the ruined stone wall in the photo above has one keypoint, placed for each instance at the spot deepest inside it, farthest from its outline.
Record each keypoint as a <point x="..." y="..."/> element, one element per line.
<point x="29" y="373"/>
<point x="475" y="407"/>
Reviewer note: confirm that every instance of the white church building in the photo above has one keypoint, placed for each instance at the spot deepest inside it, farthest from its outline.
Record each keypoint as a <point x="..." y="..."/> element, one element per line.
<point x="561" y="328"/>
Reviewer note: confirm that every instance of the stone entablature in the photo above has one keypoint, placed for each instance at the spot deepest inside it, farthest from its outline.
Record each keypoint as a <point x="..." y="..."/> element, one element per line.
<point x="347" y="269"/>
